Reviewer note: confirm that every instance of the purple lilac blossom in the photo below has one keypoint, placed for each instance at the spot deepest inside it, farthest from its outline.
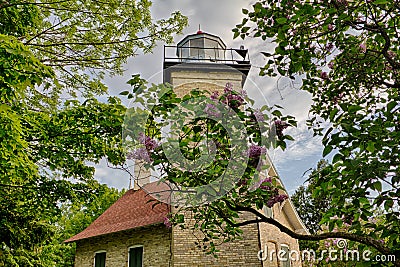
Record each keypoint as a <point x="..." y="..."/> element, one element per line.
<point x="144" y="153"/>
<point x="140" y="154"/>
<point x="243" y="93"/>
<point x="233" y="100"/>
<point x="265" y="181"/>
<point x="259" y="115"/>
<point x="167" y="222"/>
<point x="214" y="95"/>
<point x="363" y="47"/>
<point x="256" y="151"/>
<point x="212" y="111"/>
<point x="149" y="143"/>
<point x="276" y="199"/>
<point x="228" y="88"/>
<point x="329" y="47"/>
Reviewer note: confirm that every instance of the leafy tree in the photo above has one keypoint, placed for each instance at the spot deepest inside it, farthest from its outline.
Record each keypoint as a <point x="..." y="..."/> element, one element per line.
<point x="84" y="40"/>
<point x="346" y="53"/>
<point x="311" y="208"/>
<point x="76" y="217"/>
<point x="46" y="143"/>
<point x="210" y="155"/>
<point x="38" y="148"/>
<point x="210" y="152"/>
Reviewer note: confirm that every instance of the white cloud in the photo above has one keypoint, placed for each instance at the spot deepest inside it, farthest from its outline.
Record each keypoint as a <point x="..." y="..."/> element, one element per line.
<point x="113" y="177"/>
<point x="305" y="145"/>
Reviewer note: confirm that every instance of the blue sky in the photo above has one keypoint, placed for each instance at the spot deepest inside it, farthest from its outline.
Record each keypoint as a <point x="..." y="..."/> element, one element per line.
<point x="218" y="18"/>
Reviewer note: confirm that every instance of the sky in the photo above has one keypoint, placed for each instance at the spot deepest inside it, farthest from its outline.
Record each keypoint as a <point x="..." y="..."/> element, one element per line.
<point x="218" y="18"/>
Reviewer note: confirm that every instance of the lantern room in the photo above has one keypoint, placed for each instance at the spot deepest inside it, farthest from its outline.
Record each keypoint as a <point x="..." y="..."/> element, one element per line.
<point x="201" y="47"/>
<point x="204" y="52"/>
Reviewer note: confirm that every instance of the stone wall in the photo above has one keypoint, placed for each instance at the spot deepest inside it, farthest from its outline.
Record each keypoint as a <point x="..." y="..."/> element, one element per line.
<point x="208" y="77"/>
<point x="155" y="240"/>
<point x="272" y="239"/>
<point x="236" y="253"/>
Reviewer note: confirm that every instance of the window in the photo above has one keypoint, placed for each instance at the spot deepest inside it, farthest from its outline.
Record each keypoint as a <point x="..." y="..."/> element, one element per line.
<point x="284" y="256"/>
<point x="100" y="259"/>
<point x="197" y="48"/>
<point x="136" y="256"/>
<point x="268" y="212"/>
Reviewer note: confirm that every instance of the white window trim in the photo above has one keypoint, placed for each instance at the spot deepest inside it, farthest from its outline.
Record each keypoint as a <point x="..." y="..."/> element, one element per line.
<point x="135" y="246"/>
<point x="94" y="256"/>
<point x="272" y="211"/>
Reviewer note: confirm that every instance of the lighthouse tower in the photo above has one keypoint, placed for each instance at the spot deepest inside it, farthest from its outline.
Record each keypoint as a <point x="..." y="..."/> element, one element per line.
<point x="202" y="61"/>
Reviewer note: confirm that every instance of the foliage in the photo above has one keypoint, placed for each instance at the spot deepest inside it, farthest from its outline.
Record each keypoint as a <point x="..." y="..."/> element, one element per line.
<point x="210" y="149"/>
<point x="346" y="53"/>
<point x="48" y="144"/>
<point x="85" y="40"/>
<point x="38" y="148"/>
<point x="311" y="208"/>
<point x="77" y="216"/>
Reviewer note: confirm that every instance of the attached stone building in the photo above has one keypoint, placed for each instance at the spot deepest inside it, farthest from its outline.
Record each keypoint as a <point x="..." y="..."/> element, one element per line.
<point x="132" y="233"/>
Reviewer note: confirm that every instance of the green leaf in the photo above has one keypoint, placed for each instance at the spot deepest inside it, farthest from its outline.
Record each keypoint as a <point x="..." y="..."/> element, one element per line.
<point x="266" y="54"/>
<point x="371" y="146"/>
<point x="277" y="113"/>
<point x="337" y="157"/>
<point x="380" y="2"/>
<point x="354" y="108"/>
<point x="281" y="20"/>
<point x="333" y="113"/>
<point x="327" y="150"/>
<point x="388" y="204"/>
<point x="377" y="186"/>
<point x="288" y="137"/>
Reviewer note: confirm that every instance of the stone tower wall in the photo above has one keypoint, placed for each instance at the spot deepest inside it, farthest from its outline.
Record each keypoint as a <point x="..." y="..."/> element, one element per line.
<point x="241" y="252"/>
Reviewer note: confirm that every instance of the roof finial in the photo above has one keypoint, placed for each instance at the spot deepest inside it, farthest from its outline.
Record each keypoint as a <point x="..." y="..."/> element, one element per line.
<point x="199" y="31"/>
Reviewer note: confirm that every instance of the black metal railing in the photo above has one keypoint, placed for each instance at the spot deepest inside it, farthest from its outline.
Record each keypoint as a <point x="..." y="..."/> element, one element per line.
<point x="230" y="56"/>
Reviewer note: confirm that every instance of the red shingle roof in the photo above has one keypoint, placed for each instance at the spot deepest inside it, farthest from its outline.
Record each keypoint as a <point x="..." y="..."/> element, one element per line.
<point x="132" y="210"/>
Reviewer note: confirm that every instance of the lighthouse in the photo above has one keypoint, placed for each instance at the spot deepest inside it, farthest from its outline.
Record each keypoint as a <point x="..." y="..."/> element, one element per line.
<point x="200" y="61"/>
<point x="203" y="61"/>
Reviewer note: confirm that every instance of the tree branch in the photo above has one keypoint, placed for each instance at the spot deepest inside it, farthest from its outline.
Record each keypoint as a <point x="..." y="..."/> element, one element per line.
<point x="346" y="235"/>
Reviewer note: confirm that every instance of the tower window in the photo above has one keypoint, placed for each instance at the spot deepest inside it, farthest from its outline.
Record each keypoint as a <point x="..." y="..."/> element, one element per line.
<point x="136" y="257"/>
<point x="268" y="212"/>
<point x="100" y="259"/>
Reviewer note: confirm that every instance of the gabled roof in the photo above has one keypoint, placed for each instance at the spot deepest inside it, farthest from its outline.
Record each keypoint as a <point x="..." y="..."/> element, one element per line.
<point x="131" y="211"/>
